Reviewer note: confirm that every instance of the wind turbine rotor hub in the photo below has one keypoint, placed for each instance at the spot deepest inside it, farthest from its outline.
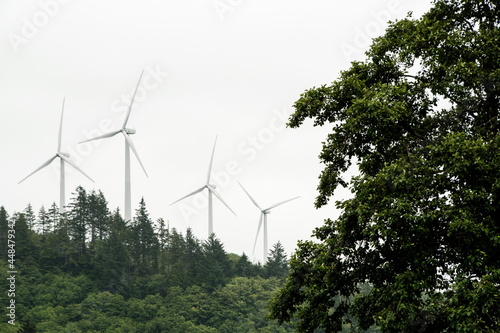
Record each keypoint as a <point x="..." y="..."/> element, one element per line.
<point x="129" y="130"/>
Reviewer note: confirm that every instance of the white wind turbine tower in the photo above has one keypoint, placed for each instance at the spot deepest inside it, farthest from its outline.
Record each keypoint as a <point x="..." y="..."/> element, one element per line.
<point x="263" y="218"/>
<point x="64" y="158"/>
<point x="128" y="145"/>
<point x="211" y="190"/>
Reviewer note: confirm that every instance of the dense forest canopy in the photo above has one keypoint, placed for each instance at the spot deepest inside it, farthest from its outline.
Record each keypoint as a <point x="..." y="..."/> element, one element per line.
<point x="416" y="248"/>
<point x="88" y="270"/>
<point x="420" y="120"/>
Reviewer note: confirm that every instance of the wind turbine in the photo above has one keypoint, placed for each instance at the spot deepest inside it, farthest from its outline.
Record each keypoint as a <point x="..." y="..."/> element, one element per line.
<point x="128" y="145"/>
<point x="64" y="158"/>
<point x="263" y="217"/>
<point x="211" y="190"/>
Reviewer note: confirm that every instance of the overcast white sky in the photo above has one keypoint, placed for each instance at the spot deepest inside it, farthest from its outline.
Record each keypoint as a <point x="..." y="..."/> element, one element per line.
<point x="231" y="68"/>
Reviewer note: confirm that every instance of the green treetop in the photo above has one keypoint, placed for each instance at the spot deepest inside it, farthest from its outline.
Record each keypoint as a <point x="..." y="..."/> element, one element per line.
<point x="420" y="120"/>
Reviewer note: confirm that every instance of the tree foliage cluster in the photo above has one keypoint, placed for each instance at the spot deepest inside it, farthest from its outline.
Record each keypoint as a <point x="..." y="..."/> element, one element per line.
<point x="420" y="120"/>
<point x="88" y="270"/>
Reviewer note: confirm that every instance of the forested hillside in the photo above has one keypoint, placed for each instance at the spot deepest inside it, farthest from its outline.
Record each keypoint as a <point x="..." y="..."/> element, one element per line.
<point x="88" y="270"/>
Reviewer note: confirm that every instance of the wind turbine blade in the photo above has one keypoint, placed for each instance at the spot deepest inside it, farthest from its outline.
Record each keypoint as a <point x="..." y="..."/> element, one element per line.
<point x="107" y="135"/>
<point x="67" y="160"/>
<point x="280" y="203"/>
<point x="131" y="144"/>
<point x="211" y="161"/>
<point x="253" y="200"/>
<point x="222" y="200"/>
<point x="132" y="101"/>
<point x="258" y="230"/>
<point x="60" y="128"/>
<point x="39" y="168"/>
<point x="190" y="194"/>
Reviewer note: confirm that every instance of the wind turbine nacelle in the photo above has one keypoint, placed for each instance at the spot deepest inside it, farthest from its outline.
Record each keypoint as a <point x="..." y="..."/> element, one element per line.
<point x="212" y="186"/>
<point x="130" y="131"/>
<point x="64" y="154"/>
<point x="267" y="212"/>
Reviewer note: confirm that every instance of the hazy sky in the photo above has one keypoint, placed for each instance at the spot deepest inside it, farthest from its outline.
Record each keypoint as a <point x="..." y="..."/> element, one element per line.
<point x="231" y="68"/>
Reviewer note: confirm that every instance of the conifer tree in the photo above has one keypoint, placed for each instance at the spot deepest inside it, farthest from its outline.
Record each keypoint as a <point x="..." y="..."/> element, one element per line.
<point x="175" y="254"/>
<point x="30" y="216"/>
<point x="25" y="247"/>
<point x="217" y="267"/>
<point x="277" y="263"/>
<point x="77" y="220"/>
<point x="144" y="241"/>
<point x="54" y="217"/>
<point x="244" y="267"/>
<point x="193" y="258"/>
<point x="43" y="220"/>
<point x="116" y="259"/>
<point x="4" y="223"/>
<point x="162" y="232"/>
<point x="98" y="216"/>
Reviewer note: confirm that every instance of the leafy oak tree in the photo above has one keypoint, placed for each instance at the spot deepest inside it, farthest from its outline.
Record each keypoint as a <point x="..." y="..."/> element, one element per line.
<point x="420" y="120"/>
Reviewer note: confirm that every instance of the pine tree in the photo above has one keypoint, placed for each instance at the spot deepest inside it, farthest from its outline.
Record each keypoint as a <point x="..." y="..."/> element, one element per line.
<point x="43" y="220"/>
<point x="175" y="254"/>
<point x="217" y="267"/>
<point x="25" y="247"/>
<point x="30" y="216"/>
<point x="193" y="259"/>
<point x="54" y="217"/>
<point x="144" y="242"/>
<point x="56" y="250"/>
<point x="277" y="263"/>
<point x="244" y="267"/>
<point x="98" y="216"/>
<point x="162" y="233"/>
<point x="77" y="220"/>
<point x="116" y="260"/>
<point x="4" y="222"/>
